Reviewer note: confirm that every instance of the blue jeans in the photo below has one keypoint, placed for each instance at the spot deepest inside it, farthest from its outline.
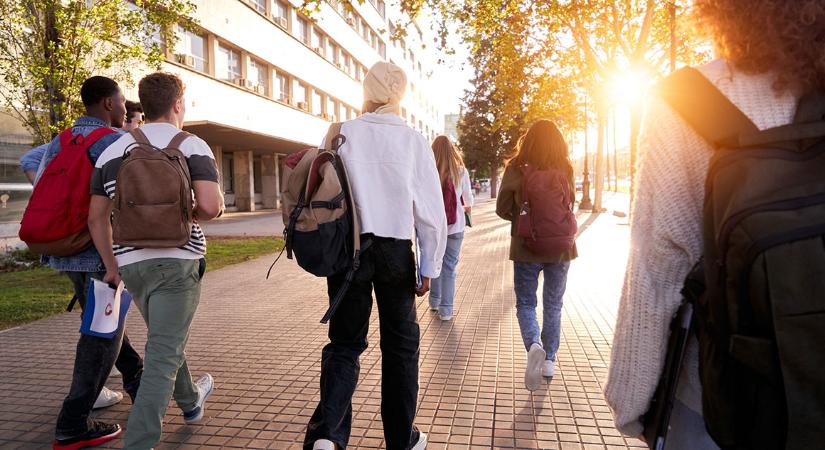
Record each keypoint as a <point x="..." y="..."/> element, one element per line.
<point x="442" y="289"/>
<point x="526" y="279"/>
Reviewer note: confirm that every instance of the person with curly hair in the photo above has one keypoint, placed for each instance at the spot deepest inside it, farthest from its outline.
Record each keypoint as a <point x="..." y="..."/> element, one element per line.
<point x="772" y="53"/>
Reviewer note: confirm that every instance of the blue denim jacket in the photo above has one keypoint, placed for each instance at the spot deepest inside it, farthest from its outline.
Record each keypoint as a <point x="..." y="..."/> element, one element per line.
<point x="88" y="260"/>
<point x="30" y="162"/>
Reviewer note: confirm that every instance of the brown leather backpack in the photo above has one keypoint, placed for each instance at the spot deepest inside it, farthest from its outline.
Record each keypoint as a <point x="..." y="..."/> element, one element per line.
<point x="153" y="195"/>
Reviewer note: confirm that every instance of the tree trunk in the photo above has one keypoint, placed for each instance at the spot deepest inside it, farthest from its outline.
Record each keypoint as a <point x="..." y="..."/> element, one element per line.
<point x="493" y="180"/>
<point x="635" y="122"/>
<point x="54" y="95"/>
<point x="597" y="200"/>
<point x="615" y="156"/>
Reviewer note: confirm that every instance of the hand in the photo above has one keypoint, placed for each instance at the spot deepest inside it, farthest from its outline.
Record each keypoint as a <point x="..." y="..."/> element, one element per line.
<point x="112" y="277"/>
<point x="425" y="287"/>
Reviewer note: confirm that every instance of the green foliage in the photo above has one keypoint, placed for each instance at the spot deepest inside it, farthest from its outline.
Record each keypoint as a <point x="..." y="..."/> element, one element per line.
<point x="49" y="47"/>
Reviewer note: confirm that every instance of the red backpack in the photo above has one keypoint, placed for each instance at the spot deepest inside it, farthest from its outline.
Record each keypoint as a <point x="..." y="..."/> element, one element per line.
<point x="450" y="205"/>
<point x="55" y="221"/>
<point x="546" y="220"/>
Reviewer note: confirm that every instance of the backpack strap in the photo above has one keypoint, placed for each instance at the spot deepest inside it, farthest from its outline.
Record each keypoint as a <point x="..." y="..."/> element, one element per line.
<point x="140" y="136"/>
<point x="705" y="108"/>
<point x="177" y="141"/>
<point x="334" y="139"/>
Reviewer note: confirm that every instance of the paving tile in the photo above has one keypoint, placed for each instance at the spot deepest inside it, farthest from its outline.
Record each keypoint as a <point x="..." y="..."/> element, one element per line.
<point x="262" y="342"/>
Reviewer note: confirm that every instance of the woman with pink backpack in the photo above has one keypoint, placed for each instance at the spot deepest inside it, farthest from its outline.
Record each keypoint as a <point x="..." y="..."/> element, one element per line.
<point x="458" y="200"/>
<point x="537" y="196"/>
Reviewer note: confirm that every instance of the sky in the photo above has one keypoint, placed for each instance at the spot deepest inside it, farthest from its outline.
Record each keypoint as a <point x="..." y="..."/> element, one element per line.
<point x="452" y="76"/>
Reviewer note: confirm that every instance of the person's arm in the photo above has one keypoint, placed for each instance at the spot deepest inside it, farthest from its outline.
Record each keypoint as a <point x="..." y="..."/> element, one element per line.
<point x="467" y="191"/>
<point x="100" y="227"/>
<point x="665" y="242"/>
<point x="203" y="169"/>
<point x="428" y="215"/>
<point x="30" y="162"/>
<point x="506" y="197"/>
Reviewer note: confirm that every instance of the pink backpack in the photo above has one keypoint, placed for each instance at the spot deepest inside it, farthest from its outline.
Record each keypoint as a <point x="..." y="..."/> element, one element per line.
<point x="546" y="220"/>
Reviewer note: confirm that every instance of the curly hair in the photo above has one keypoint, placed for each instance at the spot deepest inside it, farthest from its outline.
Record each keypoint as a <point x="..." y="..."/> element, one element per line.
<point x="784" y="37"/>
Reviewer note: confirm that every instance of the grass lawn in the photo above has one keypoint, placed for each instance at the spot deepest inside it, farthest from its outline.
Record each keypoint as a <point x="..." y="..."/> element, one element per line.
<point x="32" y="294"/>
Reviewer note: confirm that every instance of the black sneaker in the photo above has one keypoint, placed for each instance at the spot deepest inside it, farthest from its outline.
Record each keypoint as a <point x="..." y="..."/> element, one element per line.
<point x="98" y="433"/>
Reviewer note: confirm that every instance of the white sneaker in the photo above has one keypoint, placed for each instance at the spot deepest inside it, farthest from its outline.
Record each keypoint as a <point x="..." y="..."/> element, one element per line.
<point x="107" y="398"/>
<point x="548" y="369"/>
<point x="422" y="441"/>
<point x="532" y="376"/>
<point x="445" y="318"/>
<point x="114" y="372"/>
<point x="323" y="444"/>
<point x="205" y="385"/>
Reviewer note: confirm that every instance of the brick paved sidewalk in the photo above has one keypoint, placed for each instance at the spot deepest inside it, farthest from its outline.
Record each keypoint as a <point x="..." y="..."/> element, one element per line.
<point x="262" y="342"/>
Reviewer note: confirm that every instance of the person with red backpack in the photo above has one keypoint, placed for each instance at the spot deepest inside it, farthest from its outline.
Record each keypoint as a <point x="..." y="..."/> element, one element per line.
<point x="458" y="201"/>
<point x="537" y="196"/>
<point x="55" y="225"/>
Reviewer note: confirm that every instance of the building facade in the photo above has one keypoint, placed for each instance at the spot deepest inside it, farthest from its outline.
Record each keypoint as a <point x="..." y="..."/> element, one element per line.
<point x="264" y="81"/>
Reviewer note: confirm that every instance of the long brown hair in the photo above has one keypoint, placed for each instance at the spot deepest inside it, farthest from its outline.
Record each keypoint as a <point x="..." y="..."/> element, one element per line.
<point x="448" y="159"/>
<point x="758" y="36"/>
<point x="543" y="147"/>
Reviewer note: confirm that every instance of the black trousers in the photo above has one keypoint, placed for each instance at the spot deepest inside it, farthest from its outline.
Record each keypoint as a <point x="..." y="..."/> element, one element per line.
<point x="388" y="267"/>
<point x="93" y="362"/>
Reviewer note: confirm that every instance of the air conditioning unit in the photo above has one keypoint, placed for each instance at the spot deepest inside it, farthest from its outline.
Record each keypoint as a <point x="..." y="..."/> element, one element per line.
<point x="186" y="60"/>
<point x="339" y="65"/>
<point x="260" y="89"/>
<point x="317" y="50"/>
<point x="351" y="22"/>
<point x="243" y="82"/>
<point x="281" y="22"/>
<point x="303" y="105"/>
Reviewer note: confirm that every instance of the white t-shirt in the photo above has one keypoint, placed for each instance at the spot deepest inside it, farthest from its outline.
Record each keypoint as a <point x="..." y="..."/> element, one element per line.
<point x="201" y="164"/>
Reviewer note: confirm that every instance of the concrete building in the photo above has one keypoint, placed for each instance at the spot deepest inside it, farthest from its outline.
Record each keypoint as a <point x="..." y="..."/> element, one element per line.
<point x="451" y="125"/>
<point x="264" y="81"/>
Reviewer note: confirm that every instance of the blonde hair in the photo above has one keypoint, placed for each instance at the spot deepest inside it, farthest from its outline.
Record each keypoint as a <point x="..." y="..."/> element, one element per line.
<point x="448" y="160"/>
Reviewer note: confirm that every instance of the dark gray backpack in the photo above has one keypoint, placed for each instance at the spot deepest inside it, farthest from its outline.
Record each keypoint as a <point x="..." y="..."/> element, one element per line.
<point x="761" y="320"/>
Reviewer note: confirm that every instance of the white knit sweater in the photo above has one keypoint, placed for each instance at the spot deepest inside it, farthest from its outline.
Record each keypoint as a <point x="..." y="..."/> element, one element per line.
<point x="666" y="240"/>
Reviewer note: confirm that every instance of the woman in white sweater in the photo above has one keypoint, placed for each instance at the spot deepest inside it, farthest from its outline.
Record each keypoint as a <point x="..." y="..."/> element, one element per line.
<point x="771" y="54"/>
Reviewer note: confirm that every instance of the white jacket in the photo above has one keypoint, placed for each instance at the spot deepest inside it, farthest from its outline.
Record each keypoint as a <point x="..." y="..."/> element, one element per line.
<point x="395" y="184"/>
<point x="463" y="191"/>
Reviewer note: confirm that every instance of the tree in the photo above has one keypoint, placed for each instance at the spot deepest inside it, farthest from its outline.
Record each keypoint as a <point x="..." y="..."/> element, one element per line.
<point x="49" y="47"/>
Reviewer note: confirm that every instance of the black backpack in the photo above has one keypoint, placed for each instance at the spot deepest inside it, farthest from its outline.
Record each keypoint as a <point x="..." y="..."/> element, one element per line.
<point x="761" y="321"/>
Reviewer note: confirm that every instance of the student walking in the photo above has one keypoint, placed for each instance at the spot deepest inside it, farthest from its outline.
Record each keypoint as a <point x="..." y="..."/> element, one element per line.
<point x="158" y="245"/>
<point x="395" y="186"/>
<point x="134" y="116"/>
<point x="537" y="196"/>
<point x="458" y="200"/>
<point x="768" y="66"/>
<point x="94" y="357"/>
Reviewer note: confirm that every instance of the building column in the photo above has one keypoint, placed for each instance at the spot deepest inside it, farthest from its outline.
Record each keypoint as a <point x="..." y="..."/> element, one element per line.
<point x="244" y="183"/>
<point x="217" y="152"/>
<point x="269" y="181"/>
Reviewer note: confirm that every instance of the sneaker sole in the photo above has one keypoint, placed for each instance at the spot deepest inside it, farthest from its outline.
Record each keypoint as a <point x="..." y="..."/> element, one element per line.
<point x="199" y="417"/>
<point x="421" y="444"/>
<point x="532" y="375"/>
<point x="90" y="443"/>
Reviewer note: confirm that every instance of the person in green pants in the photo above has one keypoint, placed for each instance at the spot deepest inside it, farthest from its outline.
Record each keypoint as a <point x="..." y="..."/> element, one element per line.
<point x="165" y="283"/>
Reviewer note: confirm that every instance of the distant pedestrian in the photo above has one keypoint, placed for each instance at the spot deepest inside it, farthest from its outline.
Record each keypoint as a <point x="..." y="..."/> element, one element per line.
<point x="95" y="356"/>
<point x="748" y="381"/>
<point x="537" y="196"/>
<point x="458" y="201"/>
<point x="134" y="116"/>
<point x="163" y="275"/>
<point x="477" y="187"/>
<point x="395" y="187"/>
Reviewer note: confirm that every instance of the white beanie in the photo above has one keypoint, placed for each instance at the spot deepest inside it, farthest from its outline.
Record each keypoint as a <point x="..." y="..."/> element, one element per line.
<point x="385" y="84"/>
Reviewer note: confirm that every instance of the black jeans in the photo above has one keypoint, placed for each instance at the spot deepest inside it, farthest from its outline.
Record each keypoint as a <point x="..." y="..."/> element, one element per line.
<point x="388" y="267"/>
<point x="93" y="362"/>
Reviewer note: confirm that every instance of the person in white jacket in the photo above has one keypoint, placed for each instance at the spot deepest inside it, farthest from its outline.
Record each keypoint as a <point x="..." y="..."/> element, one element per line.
<point x="454" y="178"/>
<point x="768" y="60"/>
<point x="396" y="190"/>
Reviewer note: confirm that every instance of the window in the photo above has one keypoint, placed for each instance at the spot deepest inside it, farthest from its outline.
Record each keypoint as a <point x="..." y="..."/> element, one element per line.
<point x="318" y="41"/>
<point x="281" y="86"/>
<point x="303" y="30"/>
<point x="382" y="8"/>
<point x="317" y="103"/>
<point x="332" y="51"/>
<point x="350" y="114"/>
<point x="365" y="30"/>
<point x="280" y="10"/>
<point x="332" y="108"/>
<point x="228" y="172"/>
<point x="190" y="50"/>
<point x="260" y="5"/>
<point x="256" y="73"/>
<point x="302" y="95"/>
<point x="227" y="64"/>
<point x="358" y="72"/>
<point x="412" y="120"/>
<point x="347" y="62"/>
<point x="374" y="40"/>
<point x="382" y="50"/>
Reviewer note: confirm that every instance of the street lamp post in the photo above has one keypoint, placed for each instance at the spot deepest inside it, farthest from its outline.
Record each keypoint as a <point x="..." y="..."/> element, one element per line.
<point x="585" y="204"/>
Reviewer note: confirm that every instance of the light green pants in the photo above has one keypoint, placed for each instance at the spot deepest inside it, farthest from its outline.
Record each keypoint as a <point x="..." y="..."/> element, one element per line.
<point x="166" y="291"/>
